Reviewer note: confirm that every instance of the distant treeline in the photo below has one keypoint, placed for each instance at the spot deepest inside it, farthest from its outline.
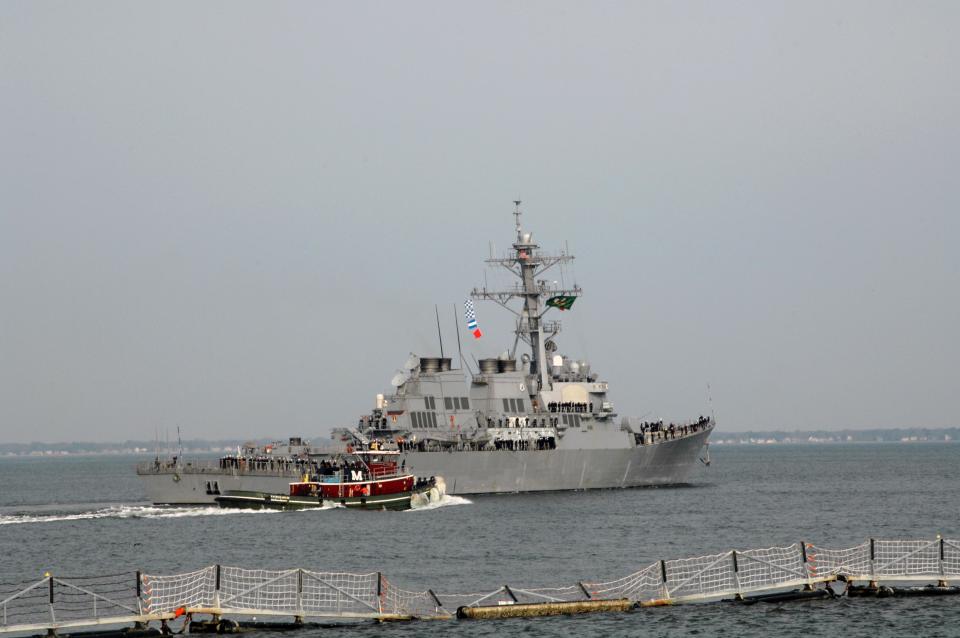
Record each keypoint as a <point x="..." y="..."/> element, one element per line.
<point x="199" y="445"/>
<point x="79" y="447"/>
<point x="860" y="436"/>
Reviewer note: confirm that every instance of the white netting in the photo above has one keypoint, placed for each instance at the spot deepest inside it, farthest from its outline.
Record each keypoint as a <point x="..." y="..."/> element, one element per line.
<point x="455" y="601"/>
<point x="162" y="594"/>
<point x="705" y="576"/>
<point x="303" y="592"/>
<point x="951" y="557"/>
<point x="549" y="594"/>
<point x="825" y="563"/>
<point x="340" y="593"/>
<point x="426" y="604"/>
<point x="906" y="558"/>
<point x="413" y="603"/>
<point x="274" y="590"/>
<point x="767" y="568"/>
<point x="645" y="584"/>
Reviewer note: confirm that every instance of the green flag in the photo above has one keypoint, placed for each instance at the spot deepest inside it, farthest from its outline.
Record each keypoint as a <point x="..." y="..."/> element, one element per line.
<point x="563" y="302"/>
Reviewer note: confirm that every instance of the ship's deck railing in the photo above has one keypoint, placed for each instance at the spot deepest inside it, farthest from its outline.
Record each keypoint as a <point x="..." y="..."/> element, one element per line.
<point x="214" y="466"/>
<point x="384" y="472"/>
<point x="56" y="602"/>
<point x="530" y="435"/>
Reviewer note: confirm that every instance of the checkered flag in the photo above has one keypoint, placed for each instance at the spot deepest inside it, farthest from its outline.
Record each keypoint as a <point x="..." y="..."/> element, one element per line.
<point x="471" y="315"/>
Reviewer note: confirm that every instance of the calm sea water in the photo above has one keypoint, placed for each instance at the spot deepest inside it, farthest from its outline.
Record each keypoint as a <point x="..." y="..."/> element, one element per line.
<point x="89" y="515"/>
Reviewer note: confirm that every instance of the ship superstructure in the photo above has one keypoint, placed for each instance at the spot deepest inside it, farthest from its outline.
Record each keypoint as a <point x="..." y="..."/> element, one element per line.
<point x="534" y="420"/>
<point x="541" y="400"/>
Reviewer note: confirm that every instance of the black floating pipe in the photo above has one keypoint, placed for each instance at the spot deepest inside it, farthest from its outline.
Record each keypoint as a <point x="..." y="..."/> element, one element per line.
<point x="435" y="599"/>
<point x="217" y="583"/>
<point x="941" y="548"/>
<point x="299" y="581"/>
<point x="138" y="584"/>
<point x="379" y="584"/>
<point x="786" y="596"/>
<point x="663" y="571"/>
<point x="872" y="550"/>
<point x="735" y="566"/>
<point x="50" y="581"/>
<point x="509" y="591"/>
<point x="927" y="590"/>
<point x="803" y="551"/>
<point x="584" y="589"/>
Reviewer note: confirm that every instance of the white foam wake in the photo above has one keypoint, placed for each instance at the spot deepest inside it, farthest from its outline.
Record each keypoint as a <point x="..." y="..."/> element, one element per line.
<point x="126" y="511"/>
<point x="445" y="501"/>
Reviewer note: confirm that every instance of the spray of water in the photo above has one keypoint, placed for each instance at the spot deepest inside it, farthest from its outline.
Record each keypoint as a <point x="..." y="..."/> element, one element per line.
<point x="445" y="501"/>
<point x="125" y="511"/>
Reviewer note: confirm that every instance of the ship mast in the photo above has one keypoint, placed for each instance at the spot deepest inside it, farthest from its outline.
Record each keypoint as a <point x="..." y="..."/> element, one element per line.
<point x="527" y="263"/>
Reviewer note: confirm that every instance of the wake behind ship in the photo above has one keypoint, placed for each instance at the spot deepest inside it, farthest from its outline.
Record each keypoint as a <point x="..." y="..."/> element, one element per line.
<point x="542" y="422"/>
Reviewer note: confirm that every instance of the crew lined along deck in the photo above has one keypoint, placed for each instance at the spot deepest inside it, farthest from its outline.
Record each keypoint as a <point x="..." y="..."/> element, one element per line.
<point x="776" y="574"/>
<point x="519" y="433"/>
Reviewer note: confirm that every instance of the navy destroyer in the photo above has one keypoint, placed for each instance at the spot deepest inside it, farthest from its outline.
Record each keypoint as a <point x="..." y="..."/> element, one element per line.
<point x="528" y="421"/>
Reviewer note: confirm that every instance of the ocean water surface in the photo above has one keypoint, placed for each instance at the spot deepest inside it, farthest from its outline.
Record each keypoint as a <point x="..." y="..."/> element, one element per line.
<point x="89" y="516"/>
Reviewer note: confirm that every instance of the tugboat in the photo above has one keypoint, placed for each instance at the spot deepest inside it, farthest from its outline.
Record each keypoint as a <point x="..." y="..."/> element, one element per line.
<point x="362" y="479"/>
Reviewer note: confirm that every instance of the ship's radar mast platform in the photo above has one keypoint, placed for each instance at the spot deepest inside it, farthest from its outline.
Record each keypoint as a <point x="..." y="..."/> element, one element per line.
<point x="528" y="263"/>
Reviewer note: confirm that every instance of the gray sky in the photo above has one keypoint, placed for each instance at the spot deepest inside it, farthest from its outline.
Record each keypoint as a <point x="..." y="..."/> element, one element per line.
<point x="237" y="217"/>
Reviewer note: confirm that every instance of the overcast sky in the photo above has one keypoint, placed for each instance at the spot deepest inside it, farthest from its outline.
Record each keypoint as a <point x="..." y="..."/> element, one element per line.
<point x="238" y="217"/>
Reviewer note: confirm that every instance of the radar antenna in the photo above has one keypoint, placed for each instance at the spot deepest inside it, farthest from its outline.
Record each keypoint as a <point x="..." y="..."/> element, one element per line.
<point x="527" y="263"/>
<point x="516" y="214"/>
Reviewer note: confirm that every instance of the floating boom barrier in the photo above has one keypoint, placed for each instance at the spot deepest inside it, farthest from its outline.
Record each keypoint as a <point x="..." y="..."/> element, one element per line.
<point x="776" y="574"/>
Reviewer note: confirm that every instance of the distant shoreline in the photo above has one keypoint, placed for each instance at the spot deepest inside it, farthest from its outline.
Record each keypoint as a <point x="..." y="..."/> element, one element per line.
<point x="140" y="448"/>
<point x="874" y="435"/>
<point x="751" y="437"/>
<point x="727" y="441"/>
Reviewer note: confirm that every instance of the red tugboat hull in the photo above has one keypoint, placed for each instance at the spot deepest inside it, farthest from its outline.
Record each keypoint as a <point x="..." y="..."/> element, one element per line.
<point x="391" y="494"/>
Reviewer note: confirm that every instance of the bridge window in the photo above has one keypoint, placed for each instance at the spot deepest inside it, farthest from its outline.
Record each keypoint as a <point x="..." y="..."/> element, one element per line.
<point x="465" y="403"/>
<point x="520" y="406"/>
<point x="448" y="403"/>
<point x="456" y="403"/>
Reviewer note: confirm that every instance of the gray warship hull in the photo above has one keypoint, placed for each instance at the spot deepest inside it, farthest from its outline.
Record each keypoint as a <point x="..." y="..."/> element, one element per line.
<point x="668" y="462"/>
